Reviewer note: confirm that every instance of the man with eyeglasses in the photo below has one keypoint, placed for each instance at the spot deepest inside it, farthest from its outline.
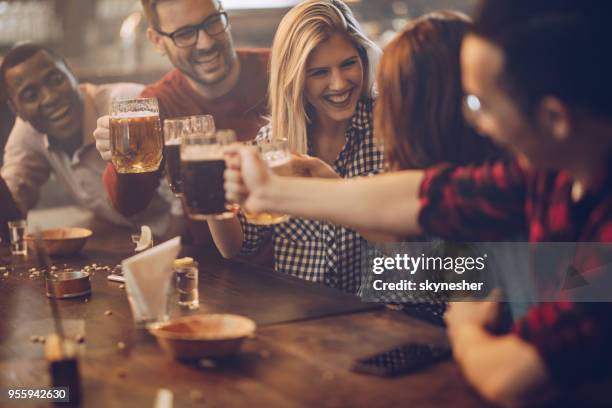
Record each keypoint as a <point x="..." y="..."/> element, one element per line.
<point x="209" y="77"/>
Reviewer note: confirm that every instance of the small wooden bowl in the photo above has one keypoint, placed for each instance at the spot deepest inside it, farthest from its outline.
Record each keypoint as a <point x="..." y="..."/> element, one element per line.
<point x="63" y="241"/>
<point x="201" y="336"/>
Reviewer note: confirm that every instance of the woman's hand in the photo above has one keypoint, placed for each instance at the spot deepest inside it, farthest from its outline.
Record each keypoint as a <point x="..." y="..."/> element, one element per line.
<point x="246" y="175"/>
<point x="303" y="165"/>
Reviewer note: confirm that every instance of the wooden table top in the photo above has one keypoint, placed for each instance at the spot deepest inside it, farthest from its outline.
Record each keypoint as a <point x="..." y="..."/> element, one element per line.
<point x="307" y="339"/>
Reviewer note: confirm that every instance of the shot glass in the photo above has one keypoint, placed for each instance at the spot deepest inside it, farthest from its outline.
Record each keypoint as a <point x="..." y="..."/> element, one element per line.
<point x="186" y="284"/>
<point x="17" y="229"/>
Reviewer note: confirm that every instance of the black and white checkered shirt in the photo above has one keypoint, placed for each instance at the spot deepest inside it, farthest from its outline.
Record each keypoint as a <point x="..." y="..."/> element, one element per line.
<point x="319" y="251"/>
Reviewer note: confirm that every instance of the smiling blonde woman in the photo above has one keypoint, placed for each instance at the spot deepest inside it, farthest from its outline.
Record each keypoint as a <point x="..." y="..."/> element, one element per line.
<point x="304" y="28"/>
<point x="320" y="92"/>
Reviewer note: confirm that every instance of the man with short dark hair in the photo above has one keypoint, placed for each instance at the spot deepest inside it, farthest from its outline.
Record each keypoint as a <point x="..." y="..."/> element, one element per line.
<point x="210" y="77"/>
<point x="538" y="80"/>
<point x="53" y="133"/>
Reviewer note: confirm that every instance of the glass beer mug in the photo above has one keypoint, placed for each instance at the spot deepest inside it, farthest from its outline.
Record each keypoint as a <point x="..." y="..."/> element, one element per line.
<point x="174" y="130"/>
<point x="135" y="135"/>
<point x="277" y="156"/>
<point x="202" y="167"/>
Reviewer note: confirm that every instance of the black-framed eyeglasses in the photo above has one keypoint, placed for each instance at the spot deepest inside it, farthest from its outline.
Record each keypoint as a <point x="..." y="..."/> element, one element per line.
<point x="186" y="37"/>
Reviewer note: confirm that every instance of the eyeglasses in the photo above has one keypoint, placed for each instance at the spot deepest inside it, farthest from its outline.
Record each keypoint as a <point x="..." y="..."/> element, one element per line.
<point x="186" y="37"/>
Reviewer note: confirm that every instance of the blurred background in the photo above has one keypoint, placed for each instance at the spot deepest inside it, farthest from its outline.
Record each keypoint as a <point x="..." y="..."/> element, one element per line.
<point x="105" y="41"/>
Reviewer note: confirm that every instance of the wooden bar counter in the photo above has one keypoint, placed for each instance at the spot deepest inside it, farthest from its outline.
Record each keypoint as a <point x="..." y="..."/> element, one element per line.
<point x="307" y="339"/>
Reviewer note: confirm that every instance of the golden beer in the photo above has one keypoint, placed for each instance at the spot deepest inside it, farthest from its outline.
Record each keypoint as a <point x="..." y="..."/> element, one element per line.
<point x="136" y="140"/>
<point x="280" y="163"/>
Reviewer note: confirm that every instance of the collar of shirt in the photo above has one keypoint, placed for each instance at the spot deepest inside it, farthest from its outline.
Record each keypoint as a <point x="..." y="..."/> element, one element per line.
<point x="90" y="117"/>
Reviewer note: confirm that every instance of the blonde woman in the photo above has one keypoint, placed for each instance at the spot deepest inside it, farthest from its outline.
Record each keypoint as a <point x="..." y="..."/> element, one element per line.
<point x="320" y="91"/>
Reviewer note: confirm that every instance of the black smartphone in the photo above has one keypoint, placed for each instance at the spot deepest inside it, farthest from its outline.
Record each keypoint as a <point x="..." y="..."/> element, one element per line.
<point x="407" y="358"/>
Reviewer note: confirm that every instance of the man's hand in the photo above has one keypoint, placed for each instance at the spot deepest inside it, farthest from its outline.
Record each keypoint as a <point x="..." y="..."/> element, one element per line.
<point x="246" y="175"/>
<point x="102" y="136"/>
<point x="479" y="313"/>
<point x="303" y="165"/>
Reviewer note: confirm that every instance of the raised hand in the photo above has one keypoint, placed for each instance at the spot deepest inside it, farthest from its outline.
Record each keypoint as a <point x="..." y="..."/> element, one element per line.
<point x="303" y="165"/>
<point x="246" y="176"/>
<point x="102" y="136"/>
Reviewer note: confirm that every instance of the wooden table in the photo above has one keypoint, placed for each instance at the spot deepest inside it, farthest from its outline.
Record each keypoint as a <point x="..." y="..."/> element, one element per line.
<point x="307" y="339"/>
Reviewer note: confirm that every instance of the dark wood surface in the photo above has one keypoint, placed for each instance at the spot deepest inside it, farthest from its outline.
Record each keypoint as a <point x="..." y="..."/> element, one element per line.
<point x="306" y="342"/>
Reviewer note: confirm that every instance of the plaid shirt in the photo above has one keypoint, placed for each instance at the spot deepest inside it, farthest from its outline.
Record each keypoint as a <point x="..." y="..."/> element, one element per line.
<point x="498" y="201"/>
<point x="319" y="251"/>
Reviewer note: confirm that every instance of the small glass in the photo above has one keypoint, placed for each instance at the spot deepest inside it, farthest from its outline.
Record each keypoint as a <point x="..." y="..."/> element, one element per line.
<point x="186" y="283"/>
<point x="202" y="168"/>
<point x="136" y="141"/>
<point x="277" y="156"/>
<point x="17" y="229"/>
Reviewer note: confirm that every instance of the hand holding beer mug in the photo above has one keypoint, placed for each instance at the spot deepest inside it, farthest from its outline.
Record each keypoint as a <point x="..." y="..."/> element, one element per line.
<point x="202" y="167"/>
<point x="135" y="135"/>
<point x="278" y="158"/>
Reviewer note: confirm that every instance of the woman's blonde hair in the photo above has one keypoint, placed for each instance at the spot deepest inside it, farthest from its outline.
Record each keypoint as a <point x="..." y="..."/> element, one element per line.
<point x="302" y="29"/>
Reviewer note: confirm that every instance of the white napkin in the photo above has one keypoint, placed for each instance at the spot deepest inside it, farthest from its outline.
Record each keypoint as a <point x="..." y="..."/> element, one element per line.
<point x="147" y="276"/>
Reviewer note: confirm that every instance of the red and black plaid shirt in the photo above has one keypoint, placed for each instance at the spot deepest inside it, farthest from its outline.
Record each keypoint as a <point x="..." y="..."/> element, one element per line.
<point x="498" y="201"/>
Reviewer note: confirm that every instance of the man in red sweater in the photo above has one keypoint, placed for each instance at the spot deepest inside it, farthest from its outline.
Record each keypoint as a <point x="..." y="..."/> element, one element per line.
<point x="209" y="77"/>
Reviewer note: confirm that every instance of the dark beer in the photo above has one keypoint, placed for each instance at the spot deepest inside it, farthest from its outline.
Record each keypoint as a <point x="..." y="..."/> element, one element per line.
<point x="202" y="167"/>
<point x="172" y="155"/>
<point x="202" y="183"/>
<point x="136" y="142"/>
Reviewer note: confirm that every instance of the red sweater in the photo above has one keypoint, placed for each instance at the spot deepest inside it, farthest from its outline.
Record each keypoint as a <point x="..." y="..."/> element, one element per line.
<point x="241" y="110"/>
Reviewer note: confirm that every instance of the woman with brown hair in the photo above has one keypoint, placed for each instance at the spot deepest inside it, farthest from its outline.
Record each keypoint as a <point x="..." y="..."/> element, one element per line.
<point x="418" y="113"/>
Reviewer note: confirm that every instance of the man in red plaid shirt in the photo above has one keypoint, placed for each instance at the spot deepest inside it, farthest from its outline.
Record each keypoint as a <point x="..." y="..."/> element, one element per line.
<point x="538" y="80"/>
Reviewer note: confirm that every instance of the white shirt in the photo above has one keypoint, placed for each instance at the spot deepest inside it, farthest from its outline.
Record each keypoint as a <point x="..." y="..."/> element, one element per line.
<point x="29" y="160"/>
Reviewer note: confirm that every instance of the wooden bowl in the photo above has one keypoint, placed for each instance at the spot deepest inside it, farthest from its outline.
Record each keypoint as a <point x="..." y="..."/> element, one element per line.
<point x="201" y="336"/>
<point x="63" y="241"/>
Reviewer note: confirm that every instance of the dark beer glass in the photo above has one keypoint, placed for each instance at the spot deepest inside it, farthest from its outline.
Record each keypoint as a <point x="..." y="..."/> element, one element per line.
<point x="277" y="156"/>
<point x="174" y="130"/>
<point x="135" y="135"/>
<point x="202" y="167"/>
